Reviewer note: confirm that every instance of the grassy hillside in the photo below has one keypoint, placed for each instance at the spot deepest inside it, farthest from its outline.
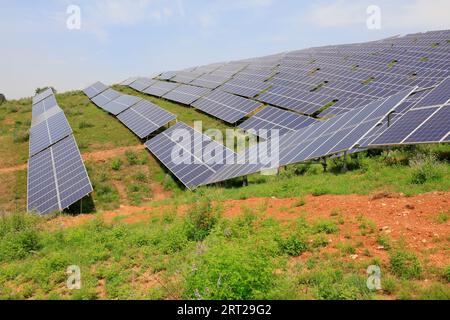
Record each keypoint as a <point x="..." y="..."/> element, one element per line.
<point x="206" y="251"/>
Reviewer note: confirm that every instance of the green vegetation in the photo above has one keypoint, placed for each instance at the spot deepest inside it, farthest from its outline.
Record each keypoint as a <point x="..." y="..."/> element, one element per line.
<point x="405" y="264"/>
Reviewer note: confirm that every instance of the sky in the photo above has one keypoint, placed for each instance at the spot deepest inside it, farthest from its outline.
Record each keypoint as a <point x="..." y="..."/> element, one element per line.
<point x="117" y="39"/>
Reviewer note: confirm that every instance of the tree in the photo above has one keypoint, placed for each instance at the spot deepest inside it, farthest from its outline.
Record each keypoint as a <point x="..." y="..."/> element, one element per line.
<point x="40" y="90"/>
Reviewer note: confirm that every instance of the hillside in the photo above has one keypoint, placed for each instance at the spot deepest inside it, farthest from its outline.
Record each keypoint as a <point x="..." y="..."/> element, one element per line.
<point x="303" y="234"/>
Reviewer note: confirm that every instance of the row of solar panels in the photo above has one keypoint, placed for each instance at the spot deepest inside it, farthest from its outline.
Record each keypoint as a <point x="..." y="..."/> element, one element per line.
<point x="142" y="117"/>
<point x="358" y="129"/>
<point x="225" y="106"/>
<point x="57" y="177"/>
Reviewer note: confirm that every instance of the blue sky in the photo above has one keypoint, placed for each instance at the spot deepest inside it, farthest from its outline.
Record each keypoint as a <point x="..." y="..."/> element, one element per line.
<point x="121" y="38"/>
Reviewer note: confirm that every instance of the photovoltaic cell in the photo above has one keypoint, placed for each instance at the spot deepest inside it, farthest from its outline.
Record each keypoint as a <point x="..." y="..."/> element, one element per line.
<point x="105" y="97"/>
<point x="436" y="129"/>
<point x="225" y="106"/>
<point x="57" y="178"/>
<point x="272" y="118"/>
<point x="186" y="94"/>
<point x="160" y="88"/>
<point x="95" y="89"/>
<point x="188" y="154"/>
<point x="121" y="104"/>
<point x="210" y="81"/>
<point x="145" y="118"/>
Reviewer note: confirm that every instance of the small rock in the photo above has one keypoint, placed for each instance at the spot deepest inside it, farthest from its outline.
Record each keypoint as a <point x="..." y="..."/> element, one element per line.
<point x="424" y="241"/>
<point x="410" y="207"/>
<point x="380" y="247"/>
<point x="354" y="256"/>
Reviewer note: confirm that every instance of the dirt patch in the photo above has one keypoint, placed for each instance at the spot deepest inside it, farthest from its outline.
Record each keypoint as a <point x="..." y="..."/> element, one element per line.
<point x="158" y="192"/>
<point x="13" y="169"/>
<point x="108" y="154"/>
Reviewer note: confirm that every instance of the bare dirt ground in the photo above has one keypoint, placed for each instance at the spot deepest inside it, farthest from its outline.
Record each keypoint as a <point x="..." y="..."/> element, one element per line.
<point x="410" y="219"/>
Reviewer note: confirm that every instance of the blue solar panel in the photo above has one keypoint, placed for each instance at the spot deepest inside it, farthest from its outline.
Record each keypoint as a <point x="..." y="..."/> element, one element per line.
<point x="435" y="129"/>
<point x="188" y="154"/>
<point x="225" y="106"/>
<point x="105" y="97"/>
<point x="48" y="132"/>
<point x="272" y="118"/>
<point x="95" y="89"/>
<point x="41" y="96"/>
<point x="145" y="118"/>
<point x="186" y="94"/>
<point x="210" y="81"/>
<point x="439" y="96"/>
<point x="57" y="178"/>
<point x="121" y="104"/>
<point x="160" y="88"/>
<point x="43" y="105"/>
<point x="142" y="83"/>
<point x="245" y="88"/>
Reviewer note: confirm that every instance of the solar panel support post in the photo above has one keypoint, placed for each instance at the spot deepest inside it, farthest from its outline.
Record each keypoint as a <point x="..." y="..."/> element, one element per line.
<point x="344" y="167"/>
<point x="245" y="181"/>
<point x="324" y="164"/>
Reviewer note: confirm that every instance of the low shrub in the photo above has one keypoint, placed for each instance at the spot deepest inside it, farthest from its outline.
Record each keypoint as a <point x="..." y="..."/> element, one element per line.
<point x="116" y="164"/>
<point x="425" y="168"/>
<point x="405" y="264"/>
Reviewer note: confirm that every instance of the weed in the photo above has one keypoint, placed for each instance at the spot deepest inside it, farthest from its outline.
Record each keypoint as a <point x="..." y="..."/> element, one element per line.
<point x="85" y="125"/>
<point x="405" y="264"/>
<point x="116" y="164"/>
<point x="200" y="220"/>
<point x="443" y="217"/>
<point x="325" y="226"/>
<point x="132" y="158"/>
<point x="425" y="168"/>
<point x="294" y="245"/>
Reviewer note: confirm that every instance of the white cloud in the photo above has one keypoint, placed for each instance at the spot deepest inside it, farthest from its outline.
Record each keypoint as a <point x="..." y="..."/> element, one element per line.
<point x="417" y="14"/>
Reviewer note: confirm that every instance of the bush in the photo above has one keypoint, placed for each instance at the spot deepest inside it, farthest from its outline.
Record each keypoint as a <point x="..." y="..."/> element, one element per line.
<point x="446" y="273"/>
<point x="293" y="246"/>
<point x="19" y="236"/>
<point x="405" y="264"/>
<point x="326" y="226"/>
<point x="200" y="220"/>
<point x="21" y="136"/>
<point x="85" y="124"/>
<point x="116" y="164"/>
<point x="230" y="272"/>
<point x="425" y="169"/>
<point x="132" y="158"/>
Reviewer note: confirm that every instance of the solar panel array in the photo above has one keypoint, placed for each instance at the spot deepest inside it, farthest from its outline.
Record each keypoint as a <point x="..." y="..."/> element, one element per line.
<point x="143" y="118"/>
<point x="225" y="106"/>
<point x="57" y="177"/>
<point x="353" y="84"/>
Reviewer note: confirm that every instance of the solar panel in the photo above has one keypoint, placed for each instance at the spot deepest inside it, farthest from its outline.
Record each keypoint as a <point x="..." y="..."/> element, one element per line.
<point x="145" y="118"/>
<point x="141" y="84"/>
<point x="43" y="105"/>
<point x="185" y="77"/>
<point x="105" y="97"/>
<point x="57" y="178"/>
<point x="121" y="104"/>
<point x="167" y="75"/>
<point x="245" y="88"/>
<point x="129" y="81"/>
<point x="188" y="154"/>
<point x="272" y="118"/>
<point x="225" y="106"/>
<point x="439" y="96"/>
<point x="48" y="132"/>
<point x="160" y="88"/>
<point x="296" y="100"/>
<point x="95" y="89"/>
<point x="210" y="81"/>
<point x="186" y="94"/>
<point x="41" y="96"/>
